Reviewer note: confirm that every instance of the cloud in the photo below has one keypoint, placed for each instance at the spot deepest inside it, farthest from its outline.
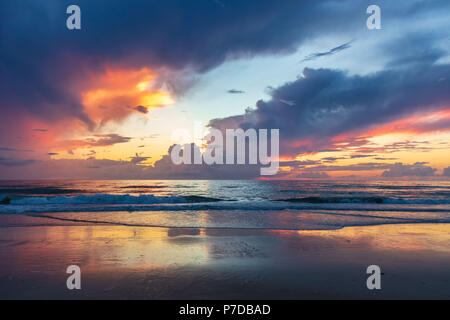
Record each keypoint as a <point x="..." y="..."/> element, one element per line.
<point x="446" y="172"/>
<point x="175" y="38"/>
<point x="289" y="103"/>
<point x="297" y="163"/>
<point x="332" y="103"/>
<point x="113" y="169"/>
<point x="370" y="169"/>
<point x="386" y="159"/>
<point x="313" y="175"/>
<point x="43" y="84"/>
<point x="416" y="170"/>
<point x="332" y="159"/>
<point x="15" y="162"/>
<point x="151" y="137"/>
<point x="138" y="159"/>
<point x="364" y="166"/>
<point x="136" y="168"/>
<point x="44" y="80"/>
<point x="98" y="140"/>
<point x="235" y="91"/>
<point x="14" y="149"/>
<point x="332" y="51"/>
<point x="118" y="89"/>
<point x="356" y="156"/>
<point x="141" y="109"/>
<point x="165" y="169"/>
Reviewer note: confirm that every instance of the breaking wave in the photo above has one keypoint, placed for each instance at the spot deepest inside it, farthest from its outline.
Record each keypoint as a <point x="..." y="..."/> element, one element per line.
<point x="109" y="199"/>
<point x="378" y="200"/>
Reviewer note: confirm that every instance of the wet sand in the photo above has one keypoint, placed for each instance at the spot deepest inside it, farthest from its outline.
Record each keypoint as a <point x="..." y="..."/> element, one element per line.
<point x="158" y="263"/>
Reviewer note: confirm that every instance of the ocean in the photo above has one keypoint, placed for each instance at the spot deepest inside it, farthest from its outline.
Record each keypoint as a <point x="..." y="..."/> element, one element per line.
<point x="255" y="204"/>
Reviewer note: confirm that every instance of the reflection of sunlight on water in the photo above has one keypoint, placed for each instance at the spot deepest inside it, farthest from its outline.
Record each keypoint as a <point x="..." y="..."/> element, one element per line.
<point x="100" y="247"/>
<point x="404" y="237"/>
<point x="148" y="248"/>
<point x="91" y="246"/>
<point x="203" y="218"/>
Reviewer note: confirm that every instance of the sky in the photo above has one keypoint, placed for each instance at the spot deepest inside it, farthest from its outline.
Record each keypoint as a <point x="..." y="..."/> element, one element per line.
<point x="102" y="102"/>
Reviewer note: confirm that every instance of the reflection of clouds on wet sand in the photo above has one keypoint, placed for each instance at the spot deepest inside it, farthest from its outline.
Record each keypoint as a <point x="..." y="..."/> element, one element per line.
<point x="175" y="232"/>
<point x="235" y="249"/>
<point x="141" y="262"/>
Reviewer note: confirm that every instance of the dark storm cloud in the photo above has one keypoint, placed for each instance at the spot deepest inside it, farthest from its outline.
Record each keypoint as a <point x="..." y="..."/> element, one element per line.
<point x="332" y="102"/>
<point x="44" y="65"/>
<point x="330" y="52"/>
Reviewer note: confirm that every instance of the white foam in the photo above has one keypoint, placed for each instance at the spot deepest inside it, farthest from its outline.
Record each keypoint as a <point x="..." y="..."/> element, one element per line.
<point x="101" y="198"/>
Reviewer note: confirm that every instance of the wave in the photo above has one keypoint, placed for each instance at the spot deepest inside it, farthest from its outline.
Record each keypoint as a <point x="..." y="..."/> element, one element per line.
<point x="312" y="220"/>
<point x="37" y="190"/>
<point x="147" y="202"/>
<point x="111" y="199"/>
<point x="236" y="206"/>
<point x="195" y="228"/>
<point x="377" y="200"/>
<point x="105" y="198"/>
<point x="144" y="187"/>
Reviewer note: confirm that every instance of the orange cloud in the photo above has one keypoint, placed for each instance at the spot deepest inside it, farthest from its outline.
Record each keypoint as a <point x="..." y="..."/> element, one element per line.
<point x="423" y="123"/>
<point x="117" y="93"/>
<point x="110" y="95"/>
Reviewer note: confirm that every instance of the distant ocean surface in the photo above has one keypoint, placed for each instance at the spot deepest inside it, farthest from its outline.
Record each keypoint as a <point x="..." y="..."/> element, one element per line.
<point x="285" y="205"/>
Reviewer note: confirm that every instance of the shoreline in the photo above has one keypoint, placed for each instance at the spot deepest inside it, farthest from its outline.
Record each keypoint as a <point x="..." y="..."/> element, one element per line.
<point x="18" y="220"/>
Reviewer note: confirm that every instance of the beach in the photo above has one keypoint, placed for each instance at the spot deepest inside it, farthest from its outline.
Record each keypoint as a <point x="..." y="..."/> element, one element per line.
<point x="220" y="149"/>
<point x="121" y="262"/>
<point x="224" y="239"/>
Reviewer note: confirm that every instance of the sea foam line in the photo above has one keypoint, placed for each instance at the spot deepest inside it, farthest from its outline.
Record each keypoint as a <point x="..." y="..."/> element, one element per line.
<point x="268" y="228"/>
